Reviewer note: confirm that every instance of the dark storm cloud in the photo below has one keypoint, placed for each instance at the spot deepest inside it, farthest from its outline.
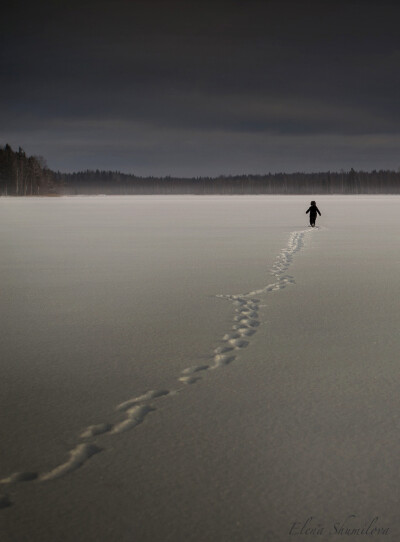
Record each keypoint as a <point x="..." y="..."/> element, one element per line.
<point x="250" y="77"/>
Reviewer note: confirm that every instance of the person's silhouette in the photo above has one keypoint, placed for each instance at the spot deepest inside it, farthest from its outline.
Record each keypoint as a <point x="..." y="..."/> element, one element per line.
<point x="313" y="210"/>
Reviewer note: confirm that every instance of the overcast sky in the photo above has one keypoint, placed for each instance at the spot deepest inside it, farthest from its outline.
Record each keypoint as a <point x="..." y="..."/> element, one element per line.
<point x="202" y="88"/>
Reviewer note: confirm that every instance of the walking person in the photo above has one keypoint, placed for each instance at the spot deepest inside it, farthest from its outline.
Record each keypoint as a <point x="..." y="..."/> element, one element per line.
<point x="313" y="210"/>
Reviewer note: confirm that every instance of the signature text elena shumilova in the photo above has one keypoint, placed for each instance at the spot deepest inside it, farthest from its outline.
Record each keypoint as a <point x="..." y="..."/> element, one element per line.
<point x="351" y="525"/>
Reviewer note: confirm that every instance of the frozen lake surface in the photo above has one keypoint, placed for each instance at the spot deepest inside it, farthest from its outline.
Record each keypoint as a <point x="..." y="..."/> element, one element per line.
<point x="198" y="368"/>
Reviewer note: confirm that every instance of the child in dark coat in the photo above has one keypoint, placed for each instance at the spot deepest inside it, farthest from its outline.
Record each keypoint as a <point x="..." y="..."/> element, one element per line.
<point x="313" y="210"/>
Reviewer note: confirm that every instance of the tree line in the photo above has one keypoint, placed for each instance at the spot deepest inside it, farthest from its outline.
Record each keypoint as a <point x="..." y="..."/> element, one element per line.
<point x="21" y="175"/>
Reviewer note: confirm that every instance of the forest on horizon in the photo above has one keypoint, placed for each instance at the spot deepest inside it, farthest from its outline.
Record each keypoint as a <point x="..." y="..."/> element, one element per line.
<point x="22" y="175"/>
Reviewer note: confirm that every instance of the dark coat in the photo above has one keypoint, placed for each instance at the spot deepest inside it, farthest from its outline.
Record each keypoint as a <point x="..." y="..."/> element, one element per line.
<point x="313" y="210"/>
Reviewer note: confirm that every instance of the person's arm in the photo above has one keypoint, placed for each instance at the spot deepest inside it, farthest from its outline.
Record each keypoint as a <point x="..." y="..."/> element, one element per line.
<point x="318" y="211"/>
<point x="307" y="210"/>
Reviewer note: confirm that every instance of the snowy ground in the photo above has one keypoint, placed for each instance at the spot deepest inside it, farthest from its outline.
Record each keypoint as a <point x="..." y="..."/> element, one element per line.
<point x="199" y="369"/>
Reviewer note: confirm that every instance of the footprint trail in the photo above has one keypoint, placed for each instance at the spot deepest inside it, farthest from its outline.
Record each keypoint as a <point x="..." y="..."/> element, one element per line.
<point x="77" y="457"/>
<point x="245" y="324"/>
<point x="246" y="319"/>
